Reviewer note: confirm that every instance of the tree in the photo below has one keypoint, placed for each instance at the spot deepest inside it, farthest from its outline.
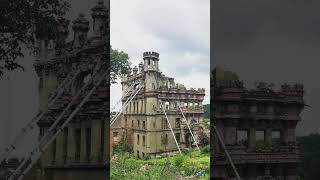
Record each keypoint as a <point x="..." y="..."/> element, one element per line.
<point x="22" y="21"/>
<point x="119" y="64"/>
<point x="310" y="154"/>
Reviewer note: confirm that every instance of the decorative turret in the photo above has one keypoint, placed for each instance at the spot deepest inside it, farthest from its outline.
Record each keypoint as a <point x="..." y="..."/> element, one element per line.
<point x="63" y="33"/>
<point x="129" y="71"/>
<point x="151" y="60"/>
<point x="140" y="67"/>
<point x="135" y="70"/>
<point x="100" y="19"/>
<point x="80" y="28"/>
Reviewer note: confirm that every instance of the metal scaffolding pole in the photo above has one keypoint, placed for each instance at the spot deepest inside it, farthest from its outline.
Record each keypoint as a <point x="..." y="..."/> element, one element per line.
<point x="126" y="104"/>
<point x="188" y="127"/>
<point x="164" y="111"/>
<point x="226" y="151"/>
<point x="35" y="154"/>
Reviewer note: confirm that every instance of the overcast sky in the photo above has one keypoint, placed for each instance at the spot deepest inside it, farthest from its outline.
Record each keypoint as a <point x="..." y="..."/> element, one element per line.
<point x="178" y="30"/>
<point x="274" y="41"/>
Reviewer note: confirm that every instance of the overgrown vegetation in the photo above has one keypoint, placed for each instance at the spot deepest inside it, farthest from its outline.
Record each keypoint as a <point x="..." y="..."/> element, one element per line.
<point x="310" y="151"/>
<point x="206" y="109"/>
<point x="191" y="165"/>
<point x="21" y="20"/>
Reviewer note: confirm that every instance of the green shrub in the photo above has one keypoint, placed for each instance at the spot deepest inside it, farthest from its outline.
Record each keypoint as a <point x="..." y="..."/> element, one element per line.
<point x="178" y="161"/>
<point x="205" y="149"/>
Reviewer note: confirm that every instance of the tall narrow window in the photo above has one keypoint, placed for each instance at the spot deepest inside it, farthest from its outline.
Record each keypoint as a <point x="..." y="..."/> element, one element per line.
<point x="177" y="135"/>
<point x="88" y="142"/>
<point x="65" y="144"/>
<point x="138" y="123"/>
<point x="54" y="150"/>
<point x="144" y="124"/>
<point x="242" y="137"/>
<point x="167" y="105"/>
<point x="275" y="137"/>
<point x="260" y="136"/>
<point x="134" y="107"/>
<point x="143" y="141"/>
<point x="138" y="139"/>
<point x="78" y="143"/>
<point x="177" y="122"/>
<point x="137" y="106"/>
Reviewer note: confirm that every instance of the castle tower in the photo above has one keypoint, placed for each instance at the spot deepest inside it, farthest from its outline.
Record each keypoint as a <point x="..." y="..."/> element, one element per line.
<point x="80" y="28"/>
<point x="151" y="84"/>
<point x="144" y="115"/>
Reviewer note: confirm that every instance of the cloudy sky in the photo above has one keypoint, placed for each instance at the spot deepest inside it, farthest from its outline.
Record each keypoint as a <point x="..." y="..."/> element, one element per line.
<point x="273" y="41"/>
<point x="178" y="30"/>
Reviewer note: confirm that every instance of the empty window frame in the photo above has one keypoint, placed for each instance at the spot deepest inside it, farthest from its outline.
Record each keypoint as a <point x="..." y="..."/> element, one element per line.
<point x="143" y="141"/>
<point x="167" y="105"/>
<point x="144" y="124"/>
<point x="177" y="135"/>
<point x="242" y="137"/>
<point x="138" y="139"/>
<point x="276" y="137"/>
<point x="115" y="134"/>
<point x="177" y="123"/>
<point x="260" y="136"/>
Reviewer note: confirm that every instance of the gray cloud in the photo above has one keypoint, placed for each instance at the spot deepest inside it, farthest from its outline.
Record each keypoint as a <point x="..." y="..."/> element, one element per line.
<point x="275" y="41"/>
<point x="178" y="30"/>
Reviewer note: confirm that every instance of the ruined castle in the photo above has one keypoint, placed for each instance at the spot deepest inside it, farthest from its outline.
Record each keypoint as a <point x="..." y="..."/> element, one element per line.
<point x="80" y="151"/>
<point x="143" y="121"/>
<point x="257" y="127"/>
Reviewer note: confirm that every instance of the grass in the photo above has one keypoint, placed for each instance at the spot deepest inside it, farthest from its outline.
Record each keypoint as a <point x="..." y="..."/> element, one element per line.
<point x="189" y="165"/>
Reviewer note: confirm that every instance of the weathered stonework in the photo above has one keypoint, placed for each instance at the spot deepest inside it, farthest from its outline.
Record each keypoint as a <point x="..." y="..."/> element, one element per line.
<point x="81" y="150"/>
<point x="143" y="119"/>
<point x="257" y="127"/>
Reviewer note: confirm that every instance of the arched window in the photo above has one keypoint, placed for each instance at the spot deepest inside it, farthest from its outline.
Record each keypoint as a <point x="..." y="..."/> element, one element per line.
<point x="167" y="105"/>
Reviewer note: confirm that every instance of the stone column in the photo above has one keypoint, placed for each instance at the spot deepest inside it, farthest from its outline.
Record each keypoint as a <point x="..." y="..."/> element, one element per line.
<point x="71" y="154"/>
<point x="83" y="145"/>
<point x="95" y="140"/>
<point x="59" y="148"/>
<point x="252" y="138"/>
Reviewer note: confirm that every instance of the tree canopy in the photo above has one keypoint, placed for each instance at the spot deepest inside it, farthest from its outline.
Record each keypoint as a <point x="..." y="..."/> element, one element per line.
<point x="119" y="64"/>
<point x="22" y="21"/>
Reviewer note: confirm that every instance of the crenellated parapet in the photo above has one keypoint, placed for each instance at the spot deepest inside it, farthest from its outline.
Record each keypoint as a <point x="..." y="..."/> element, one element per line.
<point x="293" y="89"/>
<point x="151" y="54"/>
<point x="257" y="125"/>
